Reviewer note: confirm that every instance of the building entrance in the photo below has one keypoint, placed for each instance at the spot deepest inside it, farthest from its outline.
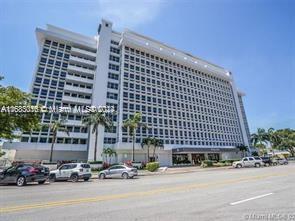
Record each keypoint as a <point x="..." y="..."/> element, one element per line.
<point x="197" y="158"/>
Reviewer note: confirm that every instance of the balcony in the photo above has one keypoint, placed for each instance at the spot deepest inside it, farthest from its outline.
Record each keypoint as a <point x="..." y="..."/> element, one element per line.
<point x="82" y="61"/>
<point x="79" y="79"/>
<point x="76" y="69"/>
<point x="77" y="89"/>
<point x="76" y="100"/>
<point x="85" y="53"/>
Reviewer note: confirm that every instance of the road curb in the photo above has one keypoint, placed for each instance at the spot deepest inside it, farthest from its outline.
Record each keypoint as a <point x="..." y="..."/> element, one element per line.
<point x="146" y="173"/>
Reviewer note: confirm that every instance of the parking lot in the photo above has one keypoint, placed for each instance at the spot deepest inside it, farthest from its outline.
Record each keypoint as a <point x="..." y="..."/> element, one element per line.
<point x="225" y="194"/>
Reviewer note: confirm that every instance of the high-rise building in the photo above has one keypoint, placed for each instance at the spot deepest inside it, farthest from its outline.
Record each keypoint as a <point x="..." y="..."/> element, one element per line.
<point x="192" y="105"/>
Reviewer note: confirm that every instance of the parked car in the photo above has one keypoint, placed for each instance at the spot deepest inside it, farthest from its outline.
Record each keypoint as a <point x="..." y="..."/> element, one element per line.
<point x="280" y="161"/>
<point x="21" y="174"/>
<point x="248" y="162"/>
<point x="71" y="171"/>
<point x="122" y="171"/>
<point x="267" y="161"/>
<point x="259" y="159"/>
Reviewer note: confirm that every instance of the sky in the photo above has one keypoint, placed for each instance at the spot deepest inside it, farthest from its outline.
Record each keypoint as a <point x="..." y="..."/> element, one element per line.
<point x="254" y="39"/>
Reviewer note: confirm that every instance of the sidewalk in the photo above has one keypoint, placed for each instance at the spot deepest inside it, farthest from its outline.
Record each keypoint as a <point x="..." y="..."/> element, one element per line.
<point x="179" y="170"/>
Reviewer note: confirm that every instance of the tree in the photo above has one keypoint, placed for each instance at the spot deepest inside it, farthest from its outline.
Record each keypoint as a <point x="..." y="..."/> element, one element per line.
<point x="108" y="153"/>
<point x="54" y="127"/>
<point x="157" y="143"/>
<point x="287" y="140"/>
<point x="132" y="124"/>
<point x="261" y="148"/>
<point x="243" y="149"/>
<point x="18" y="120"/>
<point x="273" y="137"/>
<point x="96" y="119"/>
<point x="261" y="137"/>
<point x="147" y="142"/>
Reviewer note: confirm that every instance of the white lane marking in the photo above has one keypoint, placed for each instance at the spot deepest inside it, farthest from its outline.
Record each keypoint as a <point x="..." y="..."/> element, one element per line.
<point x="252" y="198"/>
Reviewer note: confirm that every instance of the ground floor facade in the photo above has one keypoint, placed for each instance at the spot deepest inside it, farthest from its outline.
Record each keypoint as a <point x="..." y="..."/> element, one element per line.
<point x="195" y="156"/>
<point x="166" y="157"/>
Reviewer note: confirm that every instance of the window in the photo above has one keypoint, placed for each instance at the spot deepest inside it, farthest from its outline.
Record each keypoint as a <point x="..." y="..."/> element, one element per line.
<point x="112" y="95"/>
<point x="113" y="76"/>
<point x="115" y="50"/>
<point x="113" y="85"/>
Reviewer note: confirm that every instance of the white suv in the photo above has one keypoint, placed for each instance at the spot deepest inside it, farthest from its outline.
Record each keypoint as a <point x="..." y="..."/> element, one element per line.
<point x="71" y="171"/>
<point x="248" y="162"/>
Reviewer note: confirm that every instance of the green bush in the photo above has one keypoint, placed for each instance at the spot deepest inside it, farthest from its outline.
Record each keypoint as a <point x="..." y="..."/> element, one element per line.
<point x="219" y="164"/>
<point x="207" y="163"/>
<point x="153" y="166"/>
<point x="230" y="161"/>
<point x="95" y="162"/>
<point x="96" y="169"/>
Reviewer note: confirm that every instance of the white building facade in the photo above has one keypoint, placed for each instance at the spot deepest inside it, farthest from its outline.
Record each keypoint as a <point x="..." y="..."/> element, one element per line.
<point x="193" y="106"/>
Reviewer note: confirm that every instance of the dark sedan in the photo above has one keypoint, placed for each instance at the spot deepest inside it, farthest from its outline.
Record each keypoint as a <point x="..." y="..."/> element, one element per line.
<point x="24" y="173"/>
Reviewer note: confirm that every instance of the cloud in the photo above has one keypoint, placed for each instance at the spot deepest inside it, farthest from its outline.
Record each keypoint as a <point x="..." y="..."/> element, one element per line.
<point x="129" y="13"/>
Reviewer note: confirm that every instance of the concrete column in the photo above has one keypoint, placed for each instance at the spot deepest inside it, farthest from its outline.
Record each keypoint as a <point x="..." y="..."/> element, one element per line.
<point x="100" y="82"/>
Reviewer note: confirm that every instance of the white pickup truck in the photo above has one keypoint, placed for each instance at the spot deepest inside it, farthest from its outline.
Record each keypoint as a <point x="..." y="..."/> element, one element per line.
<point x="248" y="162"/>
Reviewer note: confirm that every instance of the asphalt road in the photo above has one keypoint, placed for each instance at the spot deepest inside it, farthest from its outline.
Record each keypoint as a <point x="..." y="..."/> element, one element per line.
<point x="230" y="194"/>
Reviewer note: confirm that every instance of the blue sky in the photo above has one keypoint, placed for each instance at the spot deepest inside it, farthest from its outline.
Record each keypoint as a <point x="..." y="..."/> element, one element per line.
<point x="255" y="39"/>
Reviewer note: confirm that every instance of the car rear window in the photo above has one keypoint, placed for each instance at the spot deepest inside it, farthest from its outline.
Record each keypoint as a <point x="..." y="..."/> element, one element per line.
<point x="85" y="165"/>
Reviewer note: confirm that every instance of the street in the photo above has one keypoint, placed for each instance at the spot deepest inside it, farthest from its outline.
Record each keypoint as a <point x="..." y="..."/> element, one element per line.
<point x="229" y="194"/>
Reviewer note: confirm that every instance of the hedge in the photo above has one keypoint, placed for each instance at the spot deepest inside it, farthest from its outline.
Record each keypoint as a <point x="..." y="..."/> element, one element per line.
<point x="207" y="163"/>
<point x="153" y="166"/>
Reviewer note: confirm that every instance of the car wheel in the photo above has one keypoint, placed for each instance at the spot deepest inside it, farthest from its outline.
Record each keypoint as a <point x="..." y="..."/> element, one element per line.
<point x="257" y="164"/>
<point x="52" y="178"/>
<point x="86" y="179"/>
<point x="42" y="182"/>
<point x="125" y="176"/>
<point x="102" y="176"/>
<point x="21" y="181"/>
<point x="275" y="164"/>
<point x="74" y="178"/>
<point x="239" y="166"/>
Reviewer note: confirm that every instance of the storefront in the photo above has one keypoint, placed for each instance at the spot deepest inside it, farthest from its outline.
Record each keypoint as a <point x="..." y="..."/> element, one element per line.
<point x="195" y="156"/>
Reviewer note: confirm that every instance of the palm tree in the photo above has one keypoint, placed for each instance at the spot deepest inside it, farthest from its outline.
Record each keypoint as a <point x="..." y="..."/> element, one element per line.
<point x="96" y="119"/>
<point x="147" y="142"/>
<point x="157" y="143"/>
<point x="54" y="127"/>
<point x="132" y="124"/>
<point x="243" y="148"/>
<point x="109" y="152"/>
<point x="261" y="137"/>
<point x="273" y="137"/>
